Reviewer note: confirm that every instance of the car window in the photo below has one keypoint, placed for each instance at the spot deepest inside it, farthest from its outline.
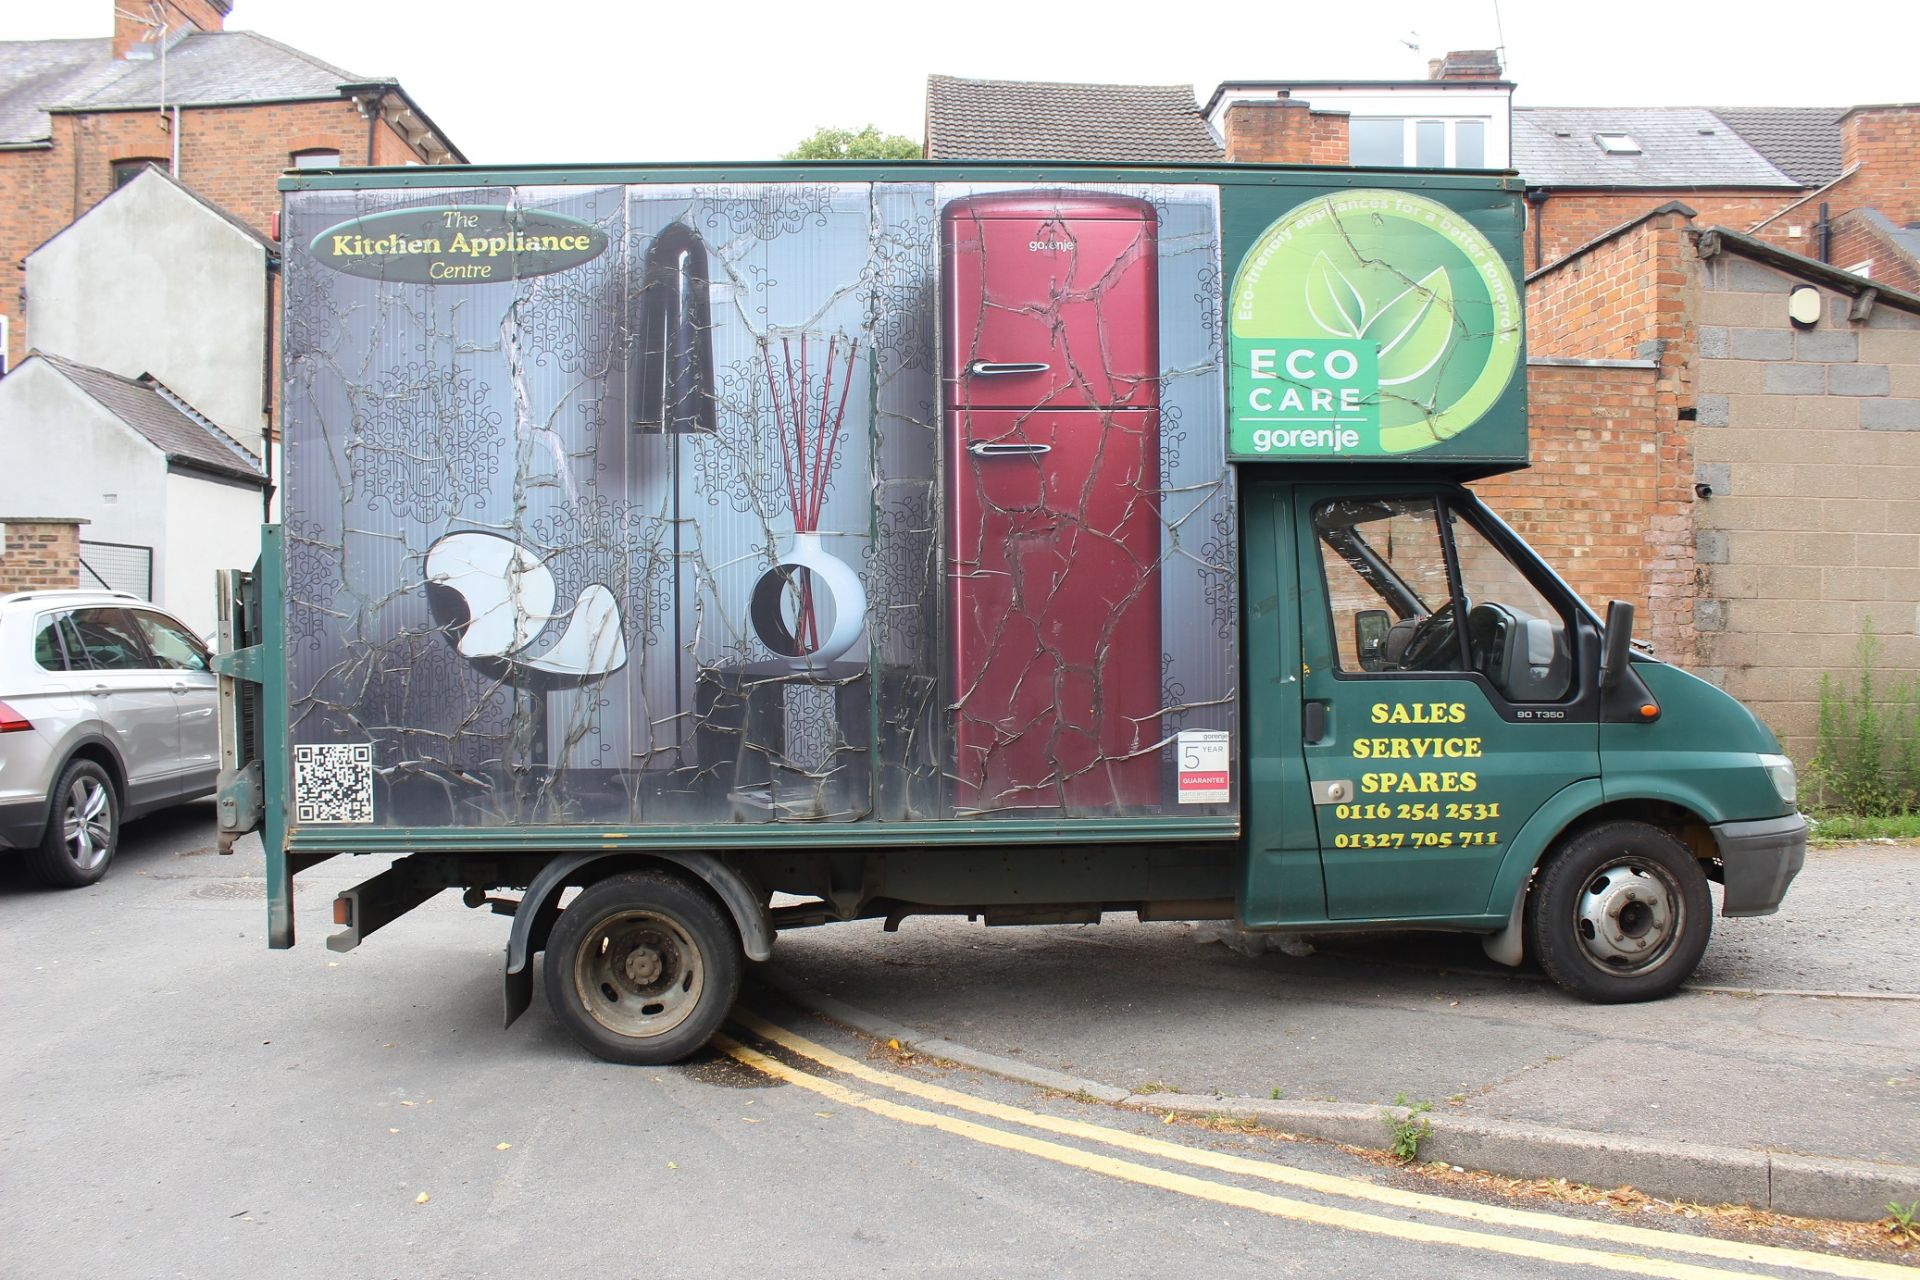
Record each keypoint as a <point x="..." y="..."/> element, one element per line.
<point x="109" y="640"/>
<point x="173" y="648"/>
<point x="46" y="644"/>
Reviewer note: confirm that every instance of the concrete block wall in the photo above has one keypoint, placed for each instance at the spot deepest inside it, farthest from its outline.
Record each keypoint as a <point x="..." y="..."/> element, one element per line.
<point x="1810" y="441"/>
<point x="39" y="554"/>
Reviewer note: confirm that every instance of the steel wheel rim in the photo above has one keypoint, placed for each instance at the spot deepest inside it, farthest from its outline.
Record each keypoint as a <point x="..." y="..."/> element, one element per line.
<point x="88" y="820"/>
<point x="1630" y="916"/>
<point x="639" y="973"/>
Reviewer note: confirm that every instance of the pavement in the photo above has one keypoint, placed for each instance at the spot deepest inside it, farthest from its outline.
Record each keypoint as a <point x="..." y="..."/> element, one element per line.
<point x="1787" y="1076"/>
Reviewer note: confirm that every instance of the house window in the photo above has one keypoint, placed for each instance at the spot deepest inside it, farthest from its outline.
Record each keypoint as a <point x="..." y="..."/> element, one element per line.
<point x="125" y="171"/>
<point x="1470" y="144"/>
<point x="1617" y="144"/>
<point x="315" y="159"/>
<point x="1377" y="142"/>
<point x="1399" y="142"/>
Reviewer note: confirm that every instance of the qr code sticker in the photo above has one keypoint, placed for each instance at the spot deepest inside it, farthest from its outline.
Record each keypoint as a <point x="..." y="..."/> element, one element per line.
<point x="333" y="783"/>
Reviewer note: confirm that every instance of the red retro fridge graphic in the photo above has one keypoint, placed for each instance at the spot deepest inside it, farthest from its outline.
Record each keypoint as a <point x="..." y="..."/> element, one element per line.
<point x="1052" y="437"/>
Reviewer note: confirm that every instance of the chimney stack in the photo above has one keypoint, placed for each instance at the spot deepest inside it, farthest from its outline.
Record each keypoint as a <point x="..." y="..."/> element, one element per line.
<point x="139" y="23"/>
<point x="1466" y="64"/>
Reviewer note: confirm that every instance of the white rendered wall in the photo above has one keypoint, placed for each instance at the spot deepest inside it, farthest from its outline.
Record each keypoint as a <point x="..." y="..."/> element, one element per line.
<point x="210" y="526"/>
<point x="62" y="455"/>
<point x="150" y="280"/>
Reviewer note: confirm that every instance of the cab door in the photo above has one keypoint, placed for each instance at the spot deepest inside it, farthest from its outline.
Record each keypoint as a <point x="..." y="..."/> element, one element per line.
<point x="1445" y="696"/>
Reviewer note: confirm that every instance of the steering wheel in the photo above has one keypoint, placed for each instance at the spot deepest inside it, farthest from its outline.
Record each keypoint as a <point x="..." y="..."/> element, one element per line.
<point x="1431" y="647"/>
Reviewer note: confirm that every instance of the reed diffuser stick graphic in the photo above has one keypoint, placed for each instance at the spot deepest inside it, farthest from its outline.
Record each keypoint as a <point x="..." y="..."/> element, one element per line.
<point x="809" y="437"/>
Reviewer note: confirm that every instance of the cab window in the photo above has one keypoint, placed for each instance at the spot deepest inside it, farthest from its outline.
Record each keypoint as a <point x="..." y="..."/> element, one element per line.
<point x="1385" y="563"/>
<point x="1403" y="573"/>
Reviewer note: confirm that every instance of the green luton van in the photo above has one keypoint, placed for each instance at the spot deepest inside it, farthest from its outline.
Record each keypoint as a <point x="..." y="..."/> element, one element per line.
<point x="669" y="557"/>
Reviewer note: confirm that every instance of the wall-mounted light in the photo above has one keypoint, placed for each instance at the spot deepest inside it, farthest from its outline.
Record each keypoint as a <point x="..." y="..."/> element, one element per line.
<point x="1803" y="306"/>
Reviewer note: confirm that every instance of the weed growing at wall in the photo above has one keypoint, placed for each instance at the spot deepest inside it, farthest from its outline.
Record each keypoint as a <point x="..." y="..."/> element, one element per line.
<point x="1867" y="750"/>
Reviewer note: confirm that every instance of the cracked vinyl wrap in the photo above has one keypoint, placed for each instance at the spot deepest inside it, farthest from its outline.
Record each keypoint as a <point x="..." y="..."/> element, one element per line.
<point x="656" y="509"/>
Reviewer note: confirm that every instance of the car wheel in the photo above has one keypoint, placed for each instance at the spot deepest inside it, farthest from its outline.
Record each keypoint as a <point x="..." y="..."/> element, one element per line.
<point x="1619" y="913"/>
<point x="642" y="968"/>
<point x="83" y="828"/>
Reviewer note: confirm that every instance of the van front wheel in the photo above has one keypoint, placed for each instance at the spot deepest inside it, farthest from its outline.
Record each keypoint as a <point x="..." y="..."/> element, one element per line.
<point x="1619" y="913"/>
<point x="642" y="968"/>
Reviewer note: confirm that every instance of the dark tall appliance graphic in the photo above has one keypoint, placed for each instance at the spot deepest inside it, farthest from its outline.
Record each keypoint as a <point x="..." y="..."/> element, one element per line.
<point x="1052" y="434"/>
<point x="670" y="372"/>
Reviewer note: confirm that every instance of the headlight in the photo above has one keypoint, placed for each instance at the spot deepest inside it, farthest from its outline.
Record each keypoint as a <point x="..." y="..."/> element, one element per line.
<point x="1785" y="780"/>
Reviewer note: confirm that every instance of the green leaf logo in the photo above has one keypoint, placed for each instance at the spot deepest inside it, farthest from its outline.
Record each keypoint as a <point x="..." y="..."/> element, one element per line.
<point x="1333" y="301"/>
<point x="1414" y="330"/>
<point x="1411" y="281"/>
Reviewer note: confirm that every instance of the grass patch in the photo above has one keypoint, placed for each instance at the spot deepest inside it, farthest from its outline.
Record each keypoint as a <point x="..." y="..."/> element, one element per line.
<point x="1827" y="830"/>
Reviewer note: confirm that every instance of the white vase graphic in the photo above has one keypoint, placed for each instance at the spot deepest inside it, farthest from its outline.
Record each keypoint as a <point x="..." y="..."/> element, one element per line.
<point x="822" y="584"/>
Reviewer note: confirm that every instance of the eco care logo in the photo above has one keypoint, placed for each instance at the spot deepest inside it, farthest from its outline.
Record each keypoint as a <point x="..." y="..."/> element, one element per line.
<point x="1367" y="324"/>
<point x="481" y="244"/>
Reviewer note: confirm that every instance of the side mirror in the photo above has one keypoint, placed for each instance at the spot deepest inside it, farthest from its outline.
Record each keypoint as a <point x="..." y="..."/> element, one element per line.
<point x="1370" y="628"/>
<point x="1617" y="645"/>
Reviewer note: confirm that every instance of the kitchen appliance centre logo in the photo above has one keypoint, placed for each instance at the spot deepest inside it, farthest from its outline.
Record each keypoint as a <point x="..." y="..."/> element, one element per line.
<point x="1368" y="324"/>
<point x="460" y="245"/>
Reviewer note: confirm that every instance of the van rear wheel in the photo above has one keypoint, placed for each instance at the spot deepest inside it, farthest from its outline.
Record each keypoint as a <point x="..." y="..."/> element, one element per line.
<point x="642" y="968"/>
<point x="1619" y="913"/>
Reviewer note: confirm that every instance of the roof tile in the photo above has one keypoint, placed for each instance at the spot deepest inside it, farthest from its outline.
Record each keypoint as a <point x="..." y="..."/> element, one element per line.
<point x="1042" y="120"/>
<point x="165" y="420"/>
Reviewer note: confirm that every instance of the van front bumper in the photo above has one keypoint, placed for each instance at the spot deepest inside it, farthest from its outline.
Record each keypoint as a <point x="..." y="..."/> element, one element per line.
<point x="1758" y="860"/>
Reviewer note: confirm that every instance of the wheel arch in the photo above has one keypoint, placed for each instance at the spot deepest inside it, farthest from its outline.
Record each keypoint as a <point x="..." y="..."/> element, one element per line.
<point x="540" y="907"/>
<point x="1570" y="811"/>
<point x="102" y="752"/>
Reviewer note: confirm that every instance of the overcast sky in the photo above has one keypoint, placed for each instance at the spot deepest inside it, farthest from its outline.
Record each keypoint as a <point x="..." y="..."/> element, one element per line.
<point x="610" y="80"/>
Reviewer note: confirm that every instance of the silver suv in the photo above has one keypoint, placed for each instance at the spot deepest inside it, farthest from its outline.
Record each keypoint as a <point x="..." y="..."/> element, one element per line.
<point x="107" y="712"/>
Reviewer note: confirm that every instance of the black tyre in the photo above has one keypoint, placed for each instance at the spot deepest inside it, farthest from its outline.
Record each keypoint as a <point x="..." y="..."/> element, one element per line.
<point x="642" y="967"/>
<point x="1619" y="913"/>
<point x="83" y="828"/>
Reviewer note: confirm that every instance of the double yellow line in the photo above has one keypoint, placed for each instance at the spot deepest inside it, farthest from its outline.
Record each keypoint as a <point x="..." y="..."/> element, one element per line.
<point x="1600" y="1233"/>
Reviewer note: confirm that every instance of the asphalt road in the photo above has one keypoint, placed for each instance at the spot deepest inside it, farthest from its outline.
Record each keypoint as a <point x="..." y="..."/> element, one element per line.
<point x="176" y="1100"/>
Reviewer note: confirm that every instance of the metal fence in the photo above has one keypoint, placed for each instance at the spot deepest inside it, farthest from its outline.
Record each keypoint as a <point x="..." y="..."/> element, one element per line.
<point x="117" y="566"/>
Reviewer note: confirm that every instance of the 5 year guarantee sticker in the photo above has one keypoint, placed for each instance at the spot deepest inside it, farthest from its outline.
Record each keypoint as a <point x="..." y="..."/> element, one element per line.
<point x="1203" y="766"/>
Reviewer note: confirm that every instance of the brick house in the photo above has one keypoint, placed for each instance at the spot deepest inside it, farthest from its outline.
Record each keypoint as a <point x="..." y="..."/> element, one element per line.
<point x="225" y="112"/>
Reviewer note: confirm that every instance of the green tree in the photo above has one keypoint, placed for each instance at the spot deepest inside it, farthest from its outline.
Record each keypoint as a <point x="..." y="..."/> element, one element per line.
<point x="828" y="143"/>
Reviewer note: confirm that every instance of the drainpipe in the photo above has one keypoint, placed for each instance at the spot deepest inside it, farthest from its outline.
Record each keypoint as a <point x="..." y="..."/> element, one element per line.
<point x="1536" y="214"/>
<point x="1826" y="235"/>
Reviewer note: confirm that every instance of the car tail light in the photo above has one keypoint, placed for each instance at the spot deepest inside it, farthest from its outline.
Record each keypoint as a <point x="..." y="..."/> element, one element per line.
<point x="12" y="721"/>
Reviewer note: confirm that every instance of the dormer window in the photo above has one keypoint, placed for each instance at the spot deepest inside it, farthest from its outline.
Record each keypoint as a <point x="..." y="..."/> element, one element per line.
<point x="1617" y="144"/>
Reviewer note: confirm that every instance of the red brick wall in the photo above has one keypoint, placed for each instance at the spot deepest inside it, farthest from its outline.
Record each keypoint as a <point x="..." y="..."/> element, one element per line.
<point x="1608" y="500"/>
<point x="231" y="155"/>
<point x="1855" y="240"/>
<point x="1885" y="142"/>
<point x="1285" y="132"/>
<point x="1572" y="218"/>
<point x="40" y="555"/>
